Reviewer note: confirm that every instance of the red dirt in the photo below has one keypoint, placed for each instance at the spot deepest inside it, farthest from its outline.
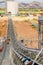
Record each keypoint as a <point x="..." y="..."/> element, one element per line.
<point x="3" y="24"/>
<point x="25" y="31"/>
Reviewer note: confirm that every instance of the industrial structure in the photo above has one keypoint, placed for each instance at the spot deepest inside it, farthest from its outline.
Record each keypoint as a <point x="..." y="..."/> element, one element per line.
<point x="14" y="53"/>
<point x="12" y="6"/>
<point x="40" y="36"/>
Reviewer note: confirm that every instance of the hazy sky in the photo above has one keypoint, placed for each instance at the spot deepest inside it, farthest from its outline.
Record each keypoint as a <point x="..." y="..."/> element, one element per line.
<point x="27" y="1"/>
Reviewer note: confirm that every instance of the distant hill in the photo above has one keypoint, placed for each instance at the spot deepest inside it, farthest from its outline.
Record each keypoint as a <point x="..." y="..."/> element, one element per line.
<point x="34" y="4"/>
<point x="31" y="5"/>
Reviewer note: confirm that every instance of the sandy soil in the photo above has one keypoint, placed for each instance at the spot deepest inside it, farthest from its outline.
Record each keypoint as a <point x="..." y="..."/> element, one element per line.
<point x="28" y="33"/>
<point x="23" y="30"/>
<point x="3" y="26"/>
